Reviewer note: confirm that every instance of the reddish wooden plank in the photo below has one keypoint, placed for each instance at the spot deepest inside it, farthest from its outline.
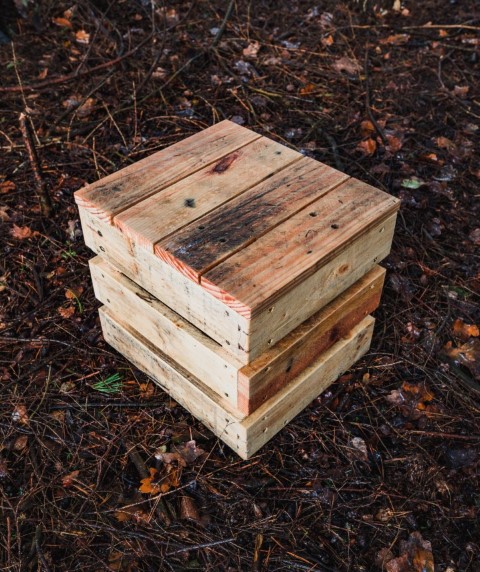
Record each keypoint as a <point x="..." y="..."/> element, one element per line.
<point x="272" y="265"/>
<point x="151" y="220"/>
<point x="275" y="368"/>
<point x="200" y="246"/>
<point x="122" y="189"/>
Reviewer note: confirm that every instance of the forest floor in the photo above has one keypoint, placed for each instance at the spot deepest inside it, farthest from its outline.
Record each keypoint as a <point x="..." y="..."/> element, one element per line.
<point x="382" y="470"/>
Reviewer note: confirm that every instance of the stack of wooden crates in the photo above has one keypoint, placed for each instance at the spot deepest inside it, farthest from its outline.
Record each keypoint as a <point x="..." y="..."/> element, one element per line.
<point x="238" y="273"/>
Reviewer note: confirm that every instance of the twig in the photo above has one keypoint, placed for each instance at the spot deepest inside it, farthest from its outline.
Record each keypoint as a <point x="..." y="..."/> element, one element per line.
<point x="43" y="196"/>
<point x="199" y="546"/>
<point x="74" y="76"/>
<point x="378" y="129"/>
<point x="223" y="25"/>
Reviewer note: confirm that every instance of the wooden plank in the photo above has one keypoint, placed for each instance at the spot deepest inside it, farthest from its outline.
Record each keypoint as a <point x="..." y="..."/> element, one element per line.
<point x="275" y="368"/>
<point x="316" y="291"/>
<point x="285" y="256"/>
<point x="244" y="434"/>
<point x="152" y="219"/>
<point x="200" y="246"/>
<point x="134" y="183"/>
<point x="190" y="300"/>
<point x="173" y="335"/>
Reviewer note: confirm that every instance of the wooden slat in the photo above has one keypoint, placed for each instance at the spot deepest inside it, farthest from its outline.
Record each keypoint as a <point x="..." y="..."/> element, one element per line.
<point x="119" y="191"/>
<point x="256" y="275"/>
<point x="278" y="319"/>
<point x="189" y="299"/>
<point x="151" y="220"/>
<point x="275" y="368"/>
<point x="200" y="246"/>
<point x="173" y="335"/>
<point x="244" y="434"/>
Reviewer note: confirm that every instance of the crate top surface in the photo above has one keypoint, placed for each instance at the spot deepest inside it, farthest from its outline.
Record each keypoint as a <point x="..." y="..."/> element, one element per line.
<point x="240" y="214"/>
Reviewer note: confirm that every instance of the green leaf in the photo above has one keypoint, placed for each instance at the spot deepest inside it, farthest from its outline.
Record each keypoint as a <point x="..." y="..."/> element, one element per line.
<point x="112" y="384"/>
<point x="413" y="183"/>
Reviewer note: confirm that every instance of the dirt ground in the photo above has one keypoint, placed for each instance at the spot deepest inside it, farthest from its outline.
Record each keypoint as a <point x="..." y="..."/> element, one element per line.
<point x="382" y="470"/>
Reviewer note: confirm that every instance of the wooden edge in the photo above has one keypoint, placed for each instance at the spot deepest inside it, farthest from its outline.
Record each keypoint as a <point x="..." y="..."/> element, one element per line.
<point x="81" y="196"/>
<point x="245" y="435"/>
<point x="276" y="367"/>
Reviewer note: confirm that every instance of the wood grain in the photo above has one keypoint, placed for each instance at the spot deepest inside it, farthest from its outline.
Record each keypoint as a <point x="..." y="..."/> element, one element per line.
<point x="275" y="368"/>
<point x="151" y="220"/>
<point x="200" y="246"/>
<point x="122" y="189"/>
<point x="286" y="255"/>
<point x="188" y="346"/>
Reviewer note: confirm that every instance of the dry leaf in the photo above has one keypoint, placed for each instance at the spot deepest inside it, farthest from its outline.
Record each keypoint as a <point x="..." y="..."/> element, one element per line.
<point x="62" y="22"/>
<point x="367" y="147"/>
<point x="395" y="40"/>
<point x="82" y="37"/>
<point x="7" y="187"/>
<point x="307" y="89"/>
<point x="73" y="294"/>
<point x="444" y="143"/>
<point x="21" y="232"/>
<point x="394" y="143"/>
<point x="152" y="485"/>
<point x="3" y="213"/>
<point x="129" y="513"/>
<point x="468" y="354"/>
<point x="20" y="415"/>
<point x="20" y="443"/>
<point x="366" y="128"/>
<point x="183" y="454"/>
<point x="465" y="331"/>
<point x="67" y="480"/>
<point x="348" y="65"/>
<point x="251" y="50"/>
<point x="328" y="41"/>
<point x="67" y="312"/>
<point x="189" y="510"/>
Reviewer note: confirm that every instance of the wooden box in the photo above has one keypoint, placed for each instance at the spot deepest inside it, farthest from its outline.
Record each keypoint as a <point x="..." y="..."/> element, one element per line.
<point x="241" y="236"/>
<point x="238" y="274"/>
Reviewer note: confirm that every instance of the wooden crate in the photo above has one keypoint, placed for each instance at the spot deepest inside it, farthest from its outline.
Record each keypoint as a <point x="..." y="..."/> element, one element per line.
<point x="241" y="236"/>
<point x="244" y="387"/>
<point x="245" y="434"/>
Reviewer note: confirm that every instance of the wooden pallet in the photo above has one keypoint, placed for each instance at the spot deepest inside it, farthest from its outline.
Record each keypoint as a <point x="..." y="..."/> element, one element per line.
<point x="245" y="388"/>
<point x="241" y="236"/>
<point x="245" y="434"/>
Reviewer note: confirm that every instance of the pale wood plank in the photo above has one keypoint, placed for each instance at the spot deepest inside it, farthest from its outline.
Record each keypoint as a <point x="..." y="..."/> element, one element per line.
<point x="245" y="435"/>
<point x="173" y="335"/>
<point x="200" y="246"/>
<point x="290" y="252"/>
<point x="189" y="299"/>
<point x="151" y="220"/>
<point x="275" y="368"/>
<point x="317" y="290"/>
<point x="126" y="187"/>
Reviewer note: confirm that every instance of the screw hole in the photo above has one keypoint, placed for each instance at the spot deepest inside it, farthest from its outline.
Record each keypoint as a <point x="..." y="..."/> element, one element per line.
<point x="102" y="249"/>
<point x="99" y="233"/>
<point x="271" y="309"/>
<point x="222" y="240"/>
<point x="201" y="227"/>
<point x="309" y="251"/>
<point x="334" y="226"/>
<point x="313" y="213"/>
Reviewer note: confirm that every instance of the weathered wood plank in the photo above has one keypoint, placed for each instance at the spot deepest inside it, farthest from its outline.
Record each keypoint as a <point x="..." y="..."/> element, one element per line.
<point x="244" y="434"/>
<point x="189" y="299"/>
<point x="275" y="368"/>
<point x="292" y="251"/>
<point x="200" y="246"/>
<point x="173" y="335"/>
<point x="284" y="314"/>
<point x="122" y="189"/>
<point x="151" y="220"/>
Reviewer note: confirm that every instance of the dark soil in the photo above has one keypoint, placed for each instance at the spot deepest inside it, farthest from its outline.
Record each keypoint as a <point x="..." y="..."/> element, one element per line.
<point x="383" y="467"/>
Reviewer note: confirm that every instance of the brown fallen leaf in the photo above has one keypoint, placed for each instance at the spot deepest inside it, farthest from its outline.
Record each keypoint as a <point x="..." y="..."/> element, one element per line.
<point x="348" y="65"/>
<point x="7" y="187"/>
<point x="66" y="312"/>
<point x="183" y="454"/>
<point x="82" y="37"/>
<point x="467" y="354"/>
<point x="395" y="40"/>
<point x="189" y="510"/>
<point x="251" y="50"/>
<point x="20" y="443"/>
<point x="465" y="331"/>
<point x="131" y="513"/>
<point x="4" y="216"/>
<point x="74" y="293"/>
<point x="444" y="143"/>
<point x="21" y="232"/>
<point x="367" y="147"/>
<point x="153" y="484"/>
<point x="62" y="22"/>
<point x="67" y="480"/>
<point x="307" y="89"/>
<point x="20" y="415"/>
